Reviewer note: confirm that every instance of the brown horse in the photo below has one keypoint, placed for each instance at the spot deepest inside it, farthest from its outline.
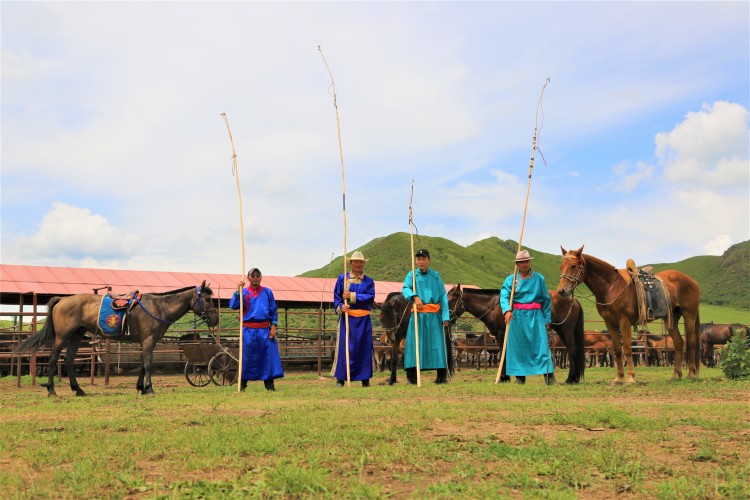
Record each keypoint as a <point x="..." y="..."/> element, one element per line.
<point x="617" y="304"/>
<point x="69" y="318"/>
<point x="567" y="321"/>
<point x="713" y="334"/>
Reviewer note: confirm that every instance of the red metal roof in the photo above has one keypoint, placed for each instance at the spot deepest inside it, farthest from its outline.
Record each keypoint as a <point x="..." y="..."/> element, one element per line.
<point x="46" y="280"/>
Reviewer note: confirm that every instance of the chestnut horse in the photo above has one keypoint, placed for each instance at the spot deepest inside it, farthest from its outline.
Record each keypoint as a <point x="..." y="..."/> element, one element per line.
<point x="567" y="321"/>
<point x="69" y="318"/>
<point x="617" y="304"/>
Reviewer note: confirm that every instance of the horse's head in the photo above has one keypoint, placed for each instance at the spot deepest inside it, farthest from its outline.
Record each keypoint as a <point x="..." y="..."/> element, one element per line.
<point x="203" y="305"/>
<point x="456" y="302"/>
<point x="394" y="316"/>
<point x="572" y="271"/>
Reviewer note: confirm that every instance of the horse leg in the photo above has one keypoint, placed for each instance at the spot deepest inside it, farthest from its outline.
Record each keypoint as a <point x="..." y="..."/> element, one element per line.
<point x="148" y="356"/>
<point x="614" y="332"/>
<point x="52" y="369"/>
<point x="627" y="341"/>
<point x="677" y="368"/>
<point x="394" y="360"/>
<point x="70" y="356"/>
<point x="692" y="339"/>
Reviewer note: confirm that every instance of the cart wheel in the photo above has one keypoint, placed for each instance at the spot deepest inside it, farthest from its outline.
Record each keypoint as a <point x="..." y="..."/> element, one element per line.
<point x="197" y="374"/>
<point x="223" y="369"/>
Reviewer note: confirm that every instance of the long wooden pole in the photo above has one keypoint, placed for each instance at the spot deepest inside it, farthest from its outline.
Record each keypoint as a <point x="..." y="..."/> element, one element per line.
<point x="520" y="238"/>
<point x="414" y="286"/>
<point x="236" y="173"/>
<point x="343" y="201"/>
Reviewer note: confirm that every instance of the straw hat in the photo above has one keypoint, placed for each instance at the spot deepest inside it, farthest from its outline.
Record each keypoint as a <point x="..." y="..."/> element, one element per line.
<point x="523" y="255"/>
<point x="357" y="256"/>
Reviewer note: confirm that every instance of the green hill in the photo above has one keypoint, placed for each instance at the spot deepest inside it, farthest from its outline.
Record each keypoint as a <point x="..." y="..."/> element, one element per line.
<point x="724" y="280"/>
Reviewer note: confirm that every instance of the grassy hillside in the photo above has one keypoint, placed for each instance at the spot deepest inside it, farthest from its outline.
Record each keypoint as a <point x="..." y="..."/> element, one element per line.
<point x="724" y="280"/>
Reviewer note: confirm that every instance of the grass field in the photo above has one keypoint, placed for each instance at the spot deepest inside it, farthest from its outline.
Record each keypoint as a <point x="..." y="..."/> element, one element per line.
<point x="470" y="438"/>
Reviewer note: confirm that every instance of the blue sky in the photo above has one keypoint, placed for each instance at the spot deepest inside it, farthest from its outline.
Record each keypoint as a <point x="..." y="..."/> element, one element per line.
<point x="114" y="153"/>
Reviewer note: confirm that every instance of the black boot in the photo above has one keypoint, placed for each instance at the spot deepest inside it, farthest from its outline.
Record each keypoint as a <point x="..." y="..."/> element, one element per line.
<point x="340" y="383"/>
<point x="243" y="385"/>
<point x="366" y="383"/>
<point x="411" y="375"/>
<point x="521" y="380"/>
<point x="549" y="379"/>
<point x="269" y="385"/>
<point x="442" y="376"/>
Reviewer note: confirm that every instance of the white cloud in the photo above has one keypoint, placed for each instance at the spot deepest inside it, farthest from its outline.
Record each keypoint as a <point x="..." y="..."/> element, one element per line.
<point x="75" y="235"/>
<point x="718" y="245"/>
<point x="709" y="148"/>
<point x="629" y="176"/>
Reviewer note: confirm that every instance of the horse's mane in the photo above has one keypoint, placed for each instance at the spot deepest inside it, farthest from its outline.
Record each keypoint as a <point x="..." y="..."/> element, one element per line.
<point x="598" y="262"/>
<point x="482" y="291"/>
<point x="205" y="289"/>
<point x="390" y="296"/>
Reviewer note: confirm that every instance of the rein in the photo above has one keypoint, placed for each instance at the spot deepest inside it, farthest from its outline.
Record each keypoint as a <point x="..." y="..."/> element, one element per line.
<point x="199" y="297"/>
<point x="577" y="279"/>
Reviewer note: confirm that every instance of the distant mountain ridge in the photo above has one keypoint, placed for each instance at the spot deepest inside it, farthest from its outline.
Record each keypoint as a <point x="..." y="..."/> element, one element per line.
<point x="724" y="280"/>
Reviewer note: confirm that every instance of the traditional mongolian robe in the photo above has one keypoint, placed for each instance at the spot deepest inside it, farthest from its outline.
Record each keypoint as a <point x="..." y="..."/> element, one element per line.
<point x="431" y="290"/>
<point x="528" y="347"/>
<point x="260" y="355"/>
<point x="360" y="327"/>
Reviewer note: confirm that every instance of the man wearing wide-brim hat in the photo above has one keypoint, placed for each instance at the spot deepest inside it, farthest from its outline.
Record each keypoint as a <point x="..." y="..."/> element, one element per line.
<point x="528" y="350"/>
<point x="354" y="294"/>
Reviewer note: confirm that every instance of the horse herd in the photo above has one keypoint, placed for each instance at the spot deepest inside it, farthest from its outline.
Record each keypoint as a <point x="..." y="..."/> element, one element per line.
<point x="614" y="292"/>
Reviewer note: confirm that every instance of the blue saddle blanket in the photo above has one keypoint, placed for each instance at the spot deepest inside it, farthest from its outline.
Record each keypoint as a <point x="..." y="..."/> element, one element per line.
<point x="111" y="321"/>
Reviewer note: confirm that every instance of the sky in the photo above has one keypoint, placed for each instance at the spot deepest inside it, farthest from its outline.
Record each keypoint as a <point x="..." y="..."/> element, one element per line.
<point x="114" y="153"/>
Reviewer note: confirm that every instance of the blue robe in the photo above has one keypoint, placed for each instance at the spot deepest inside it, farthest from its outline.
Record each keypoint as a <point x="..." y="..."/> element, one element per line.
<point x="432" y="353"/>
<point x="360" y="329"/>
<point x="528" y="350"/>
<point x="260" y="355"/>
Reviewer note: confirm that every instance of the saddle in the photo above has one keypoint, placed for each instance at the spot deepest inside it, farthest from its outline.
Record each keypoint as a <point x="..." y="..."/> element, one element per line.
<point x="114" y="310"/>
<point x="121" y="301"/>
<point x="652" y="295"/>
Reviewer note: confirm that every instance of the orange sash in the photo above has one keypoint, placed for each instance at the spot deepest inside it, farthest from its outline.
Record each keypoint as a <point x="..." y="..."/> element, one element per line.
<point x="358" y="313"/>
<point x="430" y="308"/>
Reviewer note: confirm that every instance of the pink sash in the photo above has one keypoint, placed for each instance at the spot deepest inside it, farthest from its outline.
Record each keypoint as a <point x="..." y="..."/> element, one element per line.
<point x="532" y="305"/>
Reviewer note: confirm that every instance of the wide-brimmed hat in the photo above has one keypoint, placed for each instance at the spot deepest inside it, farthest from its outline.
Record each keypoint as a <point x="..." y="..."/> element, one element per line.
<point x="357" y="256"/>
<point x="523" y="255"/>
<point x="254" y="270"/>
<point x="424" y="253"/>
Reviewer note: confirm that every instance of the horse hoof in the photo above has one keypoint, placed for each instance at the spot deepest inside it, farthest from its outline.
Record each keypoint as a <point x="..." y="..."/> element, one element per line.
<point x="616" y="381"/>
<point x="80" y="392"/>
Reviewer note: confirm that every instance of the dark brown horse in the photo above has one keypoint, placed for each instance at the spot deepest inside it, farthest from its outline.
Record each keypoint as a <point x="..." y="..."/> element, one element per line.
<point x="69" y="318"/>
<point x="713" y="334"/>
<point x="617" y="304"/>
<point x="395" y="312"/>
<point x="567" y="321"/>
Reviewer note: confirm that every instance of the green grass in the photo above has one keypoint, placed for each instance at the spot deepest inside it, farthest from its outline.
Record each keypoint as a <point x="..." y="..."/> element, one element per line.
<point x="310" y="439"/>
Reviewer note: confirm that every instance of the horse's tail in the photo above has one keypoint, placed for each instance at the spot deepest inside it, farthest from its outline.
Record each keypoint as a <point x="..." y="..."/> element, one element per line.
<point x="43" y="337"/>
<point x="579" y="353"/>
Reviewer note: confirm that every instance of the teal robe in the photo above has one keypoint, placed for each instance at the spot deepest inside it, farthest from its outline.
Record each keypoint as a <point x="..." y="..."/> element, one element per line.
<point x="528" y="350"/>
<point x="432" y="352"/>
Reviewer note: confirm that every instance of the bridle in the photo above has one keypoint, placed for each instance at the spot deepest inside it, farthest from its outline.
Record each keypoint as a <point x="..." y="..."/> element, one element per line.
<point x="199" y="300"/>
<point x="581" y="272"/>
<point x="459" y="300"/>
